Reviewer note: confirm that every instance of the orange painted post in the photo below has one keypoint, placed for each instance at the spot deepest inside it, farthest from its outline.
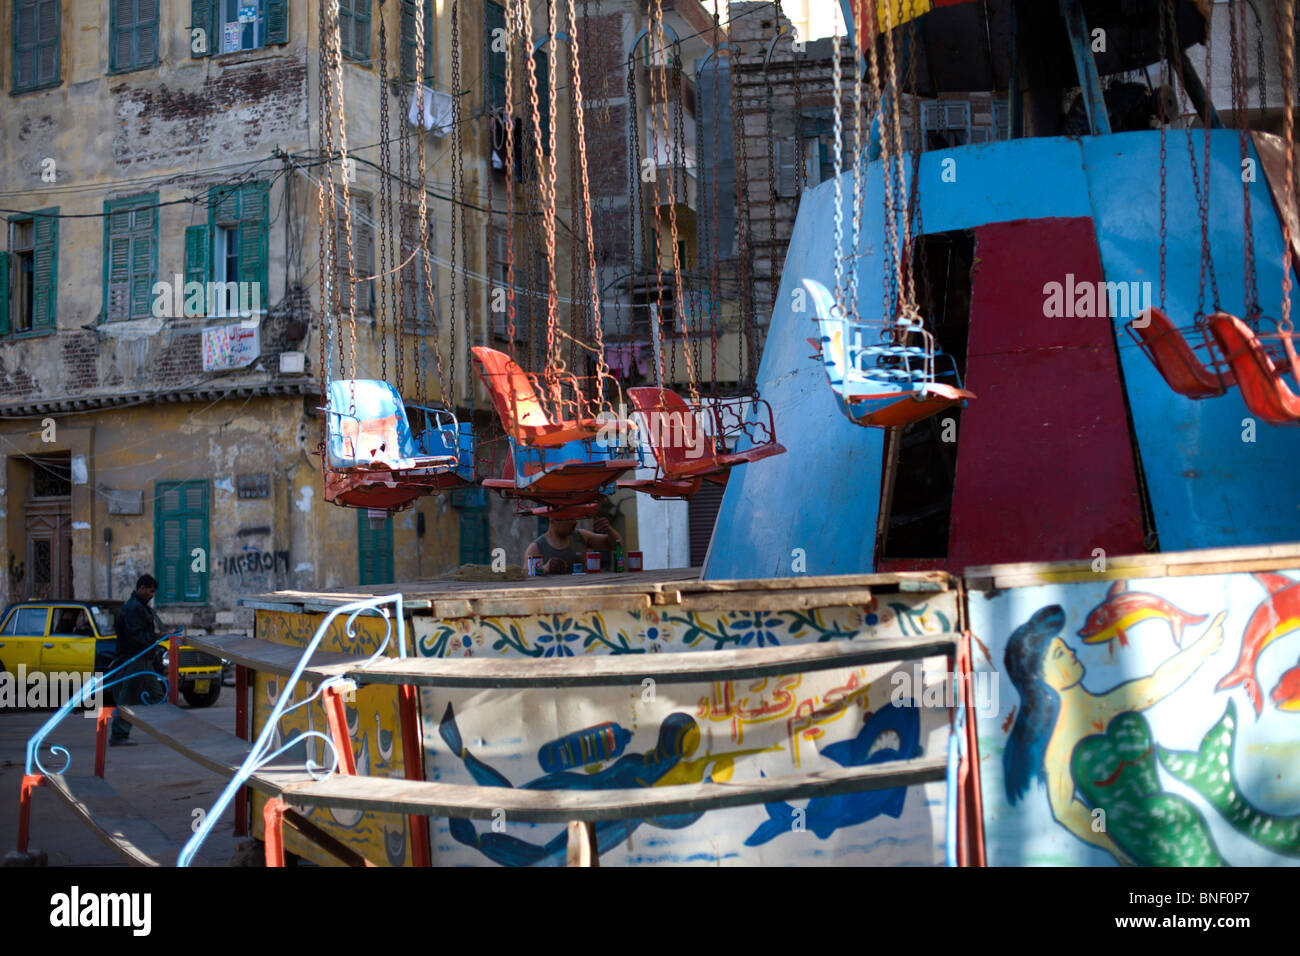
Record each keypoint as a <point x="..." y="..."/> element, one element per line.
<point x="273" y="817"/>
<point x="413" y="760"/>
<point x="337" y="720"/>
<point x="241" y="731"/>
<point x="29" y="783"/>
<point x="971" y="817"/>
<point x="102" y="720"/>
<point x="173" y="671"/>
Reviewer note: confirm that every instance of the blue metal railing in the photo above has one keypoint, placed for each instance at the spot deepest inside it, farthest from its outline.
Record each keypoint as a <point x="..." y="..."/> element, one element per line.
<point x="97" y="683"/>
<point x="261" y="753"/>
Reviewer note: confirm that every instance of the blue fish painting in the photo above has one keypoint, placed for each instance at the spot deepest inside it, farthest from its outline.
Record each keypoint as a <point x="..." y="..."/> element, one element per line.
<point x="824" y="815"/>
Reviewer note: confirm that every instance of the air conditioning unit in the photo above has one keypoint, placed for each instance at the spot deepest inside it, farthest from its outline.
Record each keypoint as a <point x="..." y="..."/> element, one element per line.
<point x="292" y="363"/>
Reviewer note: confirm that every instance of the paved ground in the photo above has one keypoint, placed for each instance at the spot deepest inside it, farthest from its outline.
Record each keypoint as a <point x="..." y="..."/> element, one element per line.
<point x="165" y="786"/>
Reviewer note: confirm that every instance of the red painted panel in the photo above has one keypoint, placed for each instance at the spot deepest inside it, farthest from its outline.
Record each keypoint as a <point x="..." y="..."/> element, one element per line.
<point x="1044" y="465"/>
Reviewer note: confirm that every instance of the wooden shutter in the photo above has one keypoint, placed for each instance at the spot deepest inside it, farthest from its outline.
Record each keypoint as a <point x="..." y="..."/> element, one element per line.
<point x="354" y="28"/>
<point x="181" y="525"/>
<point x="787" y="155"/>
<point x="363" y="242"/>
<point x="119" y="276"/>
<point x="277" y="21"/>
<point x="203" y="16"/>
<point x="702" y="512"/>
<point x="146" y="33"/>
<point x="198" y="242"/>
<point x="142" y="261"/>
<point x="46" y="268"/>
<point x="374" y="550"/>
<point x="47" y="56"/>
<point x="4" y="293"/>
<point x="253" y="237"/>
<point x="224" y="204"/>
<point x="24" y="27"/>
<point x="407" y="32"/>
<point x="123" y="33"/>
<point x="494" y="83"/>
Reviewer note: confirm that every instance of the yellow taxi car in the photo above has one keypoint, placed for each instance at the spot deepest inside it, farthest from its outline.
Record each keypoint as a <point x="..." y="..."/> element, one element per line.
<point x="66" y="636"/>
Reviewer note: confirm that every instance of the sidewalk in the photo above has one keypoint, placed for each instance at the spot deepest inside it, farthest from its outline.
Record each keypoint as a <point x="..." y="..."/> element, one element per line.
<point x="166" y="787"/>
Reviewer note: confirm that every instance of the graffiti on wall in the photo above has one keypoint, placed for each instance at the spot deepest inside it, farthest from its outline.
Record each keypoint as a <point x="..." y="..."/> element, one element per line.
<point x="254" y="561"/>
<point x="1152" y="722"/>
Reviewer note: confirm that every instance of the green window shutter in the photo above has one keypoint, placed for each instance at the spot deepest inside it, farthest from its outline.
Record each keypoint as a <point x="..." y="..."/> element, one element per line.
<point x="35" y="27"/>
<point x="223" y="204"/>
<point x="408" y="38"/>
<point x="198" y="243"/>
<point x="146" y="33"/>
<point x="4" y="293"/>
<point x="541" y="66"/>
<point x="253" y="228"/>
<point x="130" y="256"/>
<point x="118" y="293"/>
<point x="46" y="270"/>
<point x="374" y="550"/>
<point x="354" y="28"/>
<point x="122" y="33"/>
<point x="494" y="86"/>
<point x="277" y="21"/>
<point x="180" y="526"/>
<point x="203" y="16"/>
<point x="142" y="260"/>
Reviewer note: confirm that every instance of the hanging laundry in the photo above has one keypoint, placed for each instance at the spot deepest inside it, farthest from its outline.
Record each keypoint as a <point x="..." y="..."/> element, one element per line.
<point x="436" y="114"/>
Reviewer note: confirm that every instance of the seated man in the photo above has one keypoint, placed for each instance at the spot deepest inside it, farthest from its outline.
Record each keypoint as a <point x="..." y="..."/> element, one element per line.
<point x="565" y="544"/>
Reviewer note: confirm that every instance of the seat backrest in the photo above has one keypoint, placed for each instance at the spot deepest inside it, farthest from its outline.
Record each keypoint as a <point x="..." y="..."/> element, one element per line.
<point x="366" y="422"/>
<point x="673" y="428"/>
<point x="513" y="395"/>
<point x="834" y="334"/>
<point x="1174" y="358"/>
<point x="1263" y="388"/>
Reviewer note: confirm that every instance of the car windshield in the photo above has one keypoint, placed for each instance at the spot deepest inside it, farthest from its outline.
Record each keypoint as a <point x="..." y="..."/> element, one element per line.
<point x="104" y="620"/>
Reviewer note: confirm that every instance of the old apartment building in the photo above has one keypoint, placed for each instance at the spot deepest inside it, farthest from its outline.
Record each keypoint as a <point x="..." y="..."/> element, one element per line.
<point x="149" y="144"/>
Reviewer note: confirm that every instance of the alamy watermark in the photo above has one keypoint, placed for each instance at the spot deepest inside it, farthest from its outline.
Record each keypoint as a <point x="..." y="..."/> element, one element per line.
<point x="179" y="299"/>
<point x="53" y="689"/>
<point x="941" y="691"/>
<point x="1088" y="300"/>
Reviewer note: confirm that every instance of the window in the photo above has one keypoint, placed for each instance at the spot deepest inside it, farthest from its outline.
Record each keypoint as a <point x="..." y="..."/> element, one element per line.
<point x="231" y="250"/>
<point x="130" y="256"/>
<point x="181" y="541"/>
<point x="494" y="55"/>
<point x="415" y="299"/>
<point x="363" y="255"/>
<point x="36" y="44"/>
<point x="374" y="549"/>
<point x="947" y="123"/>
<point x="354" y="28"/>
<point x="232" y="25"/>
<point x="26" y="621"/>
<point x="134" y="32"/>
<point x="499" y="247"/>
<point x="408" y="40"/>
<point x="29" y="274"/>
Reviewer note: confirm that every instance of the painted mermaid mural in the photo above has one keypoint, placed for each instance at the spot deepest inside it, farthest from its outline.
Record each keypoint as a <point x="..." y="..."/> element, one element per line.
<point x="1064" y="735"/>
<point x="1096" y="753"/>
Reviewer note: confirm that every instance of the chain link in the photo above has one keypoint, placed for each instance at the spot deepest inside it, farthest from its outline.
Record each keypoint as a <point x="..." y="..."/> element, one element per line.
<point x="385" y="202"/>
<point x="1285" y="12"/>
<point x="1238" y="56"/>
<point x="509" y="112"/>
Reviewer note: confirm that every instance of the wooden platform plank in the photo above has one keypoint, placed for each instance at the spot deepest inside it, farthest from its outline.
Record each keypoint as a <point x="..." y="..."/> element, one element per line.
<point x="451" y="599"/>
<point x="1162" y="564"/>
<point x="686" y="667"/>
<point x="114" y="821"/>
<point x="272" y="658"/>
<point x="221" y="752"/>
<point x="562" y="806"/>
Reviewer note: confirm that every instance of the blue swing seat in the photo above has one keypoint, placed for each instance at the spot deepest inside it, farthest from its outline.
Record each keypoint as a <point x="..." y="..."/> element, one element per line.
<point x="367" y="429"/>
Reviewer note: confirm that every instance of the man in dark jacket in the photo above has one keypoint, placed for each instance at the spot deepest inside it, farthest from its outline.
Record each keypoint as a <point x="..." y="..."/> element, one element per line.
<point x="135" y="633"/>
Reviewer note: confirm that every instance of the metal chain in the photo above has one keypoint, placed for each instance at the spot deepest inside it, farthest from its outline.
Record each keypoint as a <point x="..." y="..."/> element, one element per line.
<point x="602" y="369"/>
<point x="715" y="280"/>
<point x="511" y="14"/>
<point x="690" y="341"/>
<point x="325" y="146"/>
<point x="1237" y="30"/>
<point x="744" y="341"/>
<point x="772" y="277"/>
<point x="858" y="172"/>
<point x="402" y="290"/>
<point x="653" y="149"/>
<point x="1285" y="12"/>
<point x="1164" y="186"/>
<point x="385" y="202"/>
<point x="838" y="124"/>
<point x="430" y="301"/>
<point x="457" y="213"/>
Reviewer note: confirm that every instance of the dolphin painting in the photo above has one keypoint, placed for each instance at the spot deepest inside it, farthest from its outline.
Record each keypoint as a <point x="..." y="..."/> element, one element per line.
<point x="1123" y="609"/>
<point x="1278" y="614"/>
<point x="824" y="815"/>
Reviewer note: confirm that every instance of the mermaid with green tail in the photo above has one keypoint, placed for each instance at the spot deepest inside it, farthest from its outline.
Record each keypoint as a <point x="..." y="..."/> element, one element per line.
<point x="1094" y="752"/>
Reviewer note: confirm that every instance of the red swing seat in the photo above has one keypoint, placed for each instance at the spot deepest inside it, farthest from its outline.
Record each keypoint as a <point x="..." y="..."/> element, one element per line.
<point x="676" y="462"/>
<point x="519" y="406"/>
<point x="1175" y="359"/>
<point x="576" y="490"/>
<point x="667" y="489"/>
<point x="1259" y="379"/>
<point x="904" y="408"/>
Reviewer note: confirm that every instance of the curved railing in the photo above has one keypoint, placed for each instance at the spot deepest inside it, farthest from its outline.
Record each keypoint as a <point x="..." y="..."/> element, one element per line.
<point x="262" y="753"/>
<point x="97" y="683"/>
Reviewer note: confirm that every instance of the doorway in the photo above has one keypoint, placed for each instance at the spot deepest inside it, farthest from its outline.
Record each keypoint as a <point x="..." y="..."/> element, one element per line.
<point x="48" y="526"/>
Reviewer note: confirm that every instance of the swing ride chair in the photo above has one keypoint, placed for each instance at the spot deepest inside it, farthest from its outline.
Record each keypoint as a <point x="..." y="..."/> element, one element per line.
<point x="567" y="481"/>
<point x="1259" y="379"/>
<point x="692" y="443"/>
<point x="373" y="459"/>
<point x="543" y="410"/>
<point x="1187" y="360"/>
<point x="888" y="383"/>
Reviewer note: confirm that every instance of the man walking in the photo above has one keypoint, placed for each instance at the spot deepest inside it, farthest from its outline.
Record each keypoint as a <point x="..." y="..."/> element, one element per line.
<point x="135" y="633"/>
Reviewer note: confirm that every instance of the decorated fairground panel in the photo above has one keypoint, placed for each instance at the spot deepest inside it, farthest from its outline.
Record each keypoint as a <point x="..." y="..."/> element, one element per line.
<point x="1150" y="721"/>
<point x="657" y="735"/>
<point x="372" y="722"/>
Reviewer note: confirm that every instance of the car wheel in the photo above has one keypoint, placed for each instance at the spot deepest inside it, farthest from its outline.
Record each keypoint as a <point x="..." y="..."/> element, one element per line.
<point x="203" y="700"/>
